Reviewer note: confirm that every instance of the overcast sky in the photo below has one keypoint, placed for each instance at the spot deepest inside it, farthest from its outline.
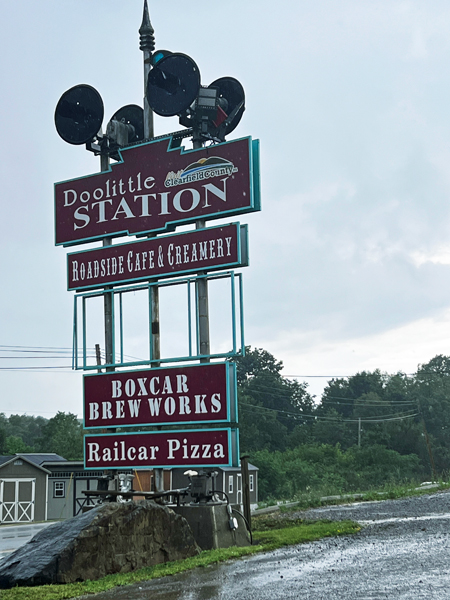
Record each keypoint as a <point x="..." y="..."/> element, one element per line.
<point x="350" y="99"/>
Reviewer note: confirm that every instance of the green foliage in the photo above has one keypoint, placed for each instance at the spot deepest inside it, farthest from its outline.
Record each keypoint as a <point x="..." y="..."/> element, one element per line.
<point x="270" y="406"/>
<point x="19" y="433"/>
<point x="296" y="471"/>
<point x="2" y="441"/>
<point x="63" y="434"/>
<point x="15" y="445"/>
<point x="256" y="362"/>
<point x="306" y="532"/>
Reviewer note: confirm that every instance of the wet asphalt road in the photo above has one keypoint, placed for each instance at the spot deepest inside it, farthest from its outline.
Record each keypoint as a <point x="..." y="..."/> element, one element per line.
<point x="14" y="536"/>
<point x="402" y="552"/>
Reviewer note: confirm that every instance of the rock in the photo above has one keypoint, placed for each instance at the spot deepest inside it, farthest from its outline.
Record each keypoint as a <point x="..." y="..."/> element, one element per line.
<point x="111" y="538"/>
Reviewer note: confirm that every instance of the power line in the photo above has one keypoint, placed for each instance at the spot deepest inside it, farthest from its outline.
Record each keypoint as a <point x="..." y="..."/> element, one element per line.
<point x="394" y="403"/>
<point x="299" y="416"/>
<point x="279" y="392"/>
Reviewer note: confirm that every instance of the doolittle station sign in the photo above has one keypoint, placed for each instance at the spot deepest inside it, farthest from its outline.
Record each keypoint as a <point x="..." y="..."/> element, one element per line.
<point x="152" y="187"/>
<point x="155" y="188"/>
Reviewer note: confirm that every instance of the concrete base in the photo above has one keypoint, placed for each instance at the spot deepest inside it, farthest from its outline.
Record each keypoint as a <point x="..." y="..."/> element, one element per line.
<point x="210" y="526"/>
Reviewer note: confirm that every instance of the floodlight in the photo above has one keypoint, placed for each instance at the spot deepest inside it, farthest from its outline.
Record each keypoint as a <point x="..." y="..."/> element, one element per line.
<point x="173" y="84"/>
<point x="79" y="114"/>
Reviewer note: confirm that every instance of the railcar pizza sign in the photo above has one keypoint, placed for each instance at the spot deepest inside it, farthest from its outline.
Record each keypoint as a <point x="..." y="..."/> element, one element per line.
<point x="155" y="188"/>
<point x="180" y="254"/>
<point x="204" y="393"/>
<point x="193" y="448"/>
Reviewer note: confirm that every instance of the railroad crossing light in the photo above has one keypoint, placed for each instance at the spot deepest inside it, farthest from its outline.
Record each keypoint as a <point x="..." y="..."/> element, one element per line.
<point x="231" y="93"/>
<point x="79" y="114"/>
<point x="173" y="88"/>
<point x="125" y="127"/>
<point x="173" y="84"/>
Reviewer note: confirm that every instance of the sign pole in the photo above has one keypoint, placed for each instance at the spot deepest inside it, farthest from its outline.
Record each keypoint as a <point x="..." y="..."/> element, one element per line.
<point x="108" y="296"/>
<point x="147" y="45"/>
<point x="202" y="287"/>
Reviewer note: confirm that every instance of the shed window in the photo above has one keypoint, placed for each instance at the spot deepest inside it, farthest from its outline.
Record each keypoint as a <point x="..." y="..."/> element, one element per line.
<point x="59" y="489"/>
<point x="230" y="484"/>
<point x="250" y="482"/>
<point x="18" y="462"/>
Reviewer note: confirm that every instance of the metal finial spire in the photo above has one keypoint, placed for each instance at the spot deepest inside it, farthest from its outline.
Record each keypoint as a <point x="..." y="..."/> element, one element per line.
<point x="146" y="31"/>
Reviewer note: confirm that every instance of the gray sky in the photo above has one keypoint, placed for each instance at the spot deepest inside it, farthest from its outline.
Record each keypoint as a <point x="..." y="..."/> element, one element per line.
<point x="350" y="99"/>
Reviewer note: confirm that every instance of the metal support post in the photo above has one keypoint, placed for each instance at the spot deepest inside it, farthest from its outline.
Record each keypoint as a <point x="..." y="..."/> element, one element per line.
<point x="147" y="45"/>
<point x="201" y="287"/>
<point x="246" y="490"/>
<point x="203" y="311"/>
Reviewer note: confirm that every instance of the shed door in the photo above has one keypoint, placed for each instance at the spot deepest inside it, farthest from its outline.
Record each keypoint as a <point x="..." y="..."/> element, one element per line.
<point x="17" y="500"/>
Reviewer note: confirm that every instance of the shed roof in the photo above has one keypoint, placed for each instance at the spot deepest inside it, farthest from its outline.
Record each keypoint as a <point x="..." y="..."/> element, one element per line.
<point x="37" y="462"/>
<point x="39" y="459"/>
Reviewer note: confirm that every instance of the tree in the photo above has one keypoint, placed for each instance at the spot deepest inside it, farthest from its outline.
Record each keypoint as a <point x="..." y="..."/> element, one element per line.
<point x="330" y="428"/>
<point x="26" y="427"/>
<point x="16" y="445"/>
<point x="431" y="390"/>
<point x="63" y="435"/>
<point x="341" y="394"/>
<point x="270" y="406"/>
<point x="256" y="362"/>
<point x="2" y="441"/>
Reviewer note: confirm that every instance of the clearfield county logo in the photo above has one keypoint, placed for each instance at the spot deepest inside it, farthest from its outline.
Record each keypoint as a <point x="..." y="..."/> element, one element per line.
<point x="205" y="168"/>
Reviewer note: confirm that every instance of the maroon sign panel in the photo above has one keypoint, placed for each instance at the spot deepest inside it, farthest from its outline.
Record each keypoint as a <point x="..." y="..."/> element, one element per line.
<point x="154" y="188"/>
<point x="204" y="249"/>
<point x="191" y="448"/>
<point x="188" y="394"/>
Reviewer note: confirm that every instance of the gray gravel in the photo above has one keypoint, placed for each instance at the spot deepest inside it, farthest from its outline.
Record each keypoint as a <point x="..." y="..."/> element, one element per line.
<point x="403" y="552"/>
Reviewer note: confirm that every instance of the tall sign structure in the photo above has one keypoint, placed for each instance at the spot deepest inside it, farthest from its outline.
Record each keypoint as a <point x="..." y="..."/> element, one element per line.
<point x="153" y="186"/>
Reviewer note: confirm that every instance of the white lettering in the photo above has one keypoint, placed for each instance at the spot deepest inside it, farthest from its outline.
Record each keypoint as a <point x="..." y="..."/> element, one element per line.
<point x="134" y="406"/>
<point x="81" y="217"/>
<point x="106" y="410"/>
<point x="93" y="449"/>
<point x="154" y="405"/>
<point x="67" y="202"/>
<point x="119" y="409"/>
<point x="216" y="403"/>
<point x="181" y="384"/>
<point x="174" y="445"/>
<point x="195" y="200"/>
<point x="185" y="409"/>
<point x="93" y="411"/>
<point x="116" y="388"/>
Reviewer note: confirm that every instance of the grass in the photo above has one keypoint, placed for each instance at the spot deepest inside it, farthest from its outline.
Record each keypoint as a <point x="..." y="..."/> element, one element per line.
<point x="267" y="537"/>
<point x="388" y="492"/>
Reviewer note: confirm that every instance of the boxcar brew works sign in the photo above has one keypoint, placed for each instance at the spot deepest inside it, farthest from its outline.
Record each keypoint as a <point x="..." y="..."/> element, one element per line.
<point x="154" y="188"/>
<point x="210" y="249"/>
<point x="194" y="448"/>
<point x="174" y="395"/>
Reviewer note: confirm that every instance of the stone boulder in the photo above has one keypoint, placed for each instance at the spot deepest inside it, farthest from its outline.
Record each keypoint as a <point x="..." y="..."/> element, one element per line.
<point x="111" y="538"/>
